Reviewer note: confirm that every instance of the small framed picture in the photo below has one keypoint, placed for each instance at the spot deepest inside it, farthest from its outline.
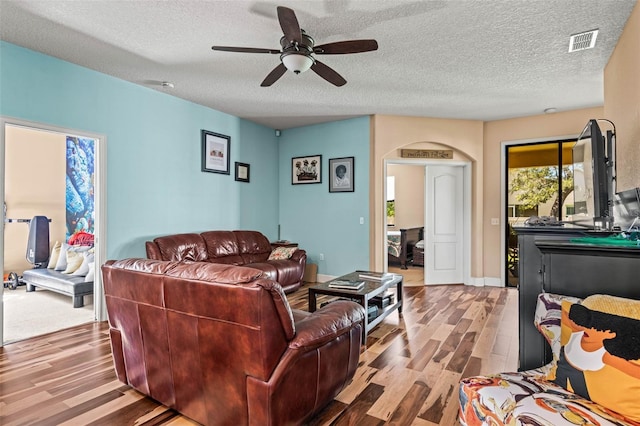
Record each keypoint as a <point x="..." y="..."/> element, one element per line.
<point x="242" y="172"/>
<point x="341" y="174"/>
<point x="215" y="153"/>
<point x="306" y="169"/>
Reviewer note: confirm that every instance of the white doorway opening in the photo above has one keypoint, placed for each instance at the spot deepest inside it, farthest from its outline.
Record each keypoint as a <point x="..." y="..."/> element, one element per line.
<point x="10" y="126"/>
<point x="463" y="249"/>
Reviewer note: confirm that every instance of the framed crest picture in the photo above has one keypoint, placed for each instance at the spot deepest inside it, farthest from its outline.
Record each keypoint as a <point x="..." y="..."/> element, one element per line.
<point x="216" y="157"/>
<point x="341" y="174"/>
<point x="242" y="172"/>
<point x="306" y="169"/>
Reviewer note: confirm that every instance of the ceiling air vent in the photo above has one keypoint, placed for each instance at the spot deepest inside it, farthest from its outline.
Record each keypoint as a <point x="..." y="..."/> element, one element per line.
<point x="583" y="41"/>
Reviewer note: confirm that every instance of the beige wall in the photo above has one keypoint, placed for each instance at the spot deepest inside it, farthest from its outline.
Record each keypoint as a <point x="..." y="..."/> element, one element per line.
<point x="389" y="134"/>
<point x="34" y="186"/>
<point x="532" y="128"/>
<point x="622" y="101"/>
<point x="409" y="195"/>
<point x="481" y="143"/>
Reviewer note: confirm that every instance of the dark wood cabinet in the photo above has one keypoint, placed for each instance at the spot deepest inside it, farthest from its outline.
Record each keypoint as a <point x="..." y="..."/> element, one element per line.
<point x="550" y="262"/>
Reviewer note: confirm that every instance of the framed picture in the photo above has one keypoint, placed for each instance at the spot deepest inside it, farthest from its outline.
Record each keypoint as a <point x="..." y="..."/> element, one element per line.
<point x="341" y="174"/>
<point x="242" y="172"/>
<point x="215" y="153"/>
<point x="306" y="169"/>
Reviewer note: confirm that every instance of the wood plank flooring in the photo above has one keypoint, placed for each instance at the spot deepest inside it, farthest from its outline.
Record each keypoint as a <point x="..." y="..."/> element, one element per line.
<point x="408" y="373"/>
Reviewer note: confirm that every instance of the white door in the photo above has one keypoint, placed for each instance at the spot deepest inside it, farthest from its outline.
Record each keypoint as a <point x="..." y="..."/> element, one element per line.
<point x="443" y="231"/>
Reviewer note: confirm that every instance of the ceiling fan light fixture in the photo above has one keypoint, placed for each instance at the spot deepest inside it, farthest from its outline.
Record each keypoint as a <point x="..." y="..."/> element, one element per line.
<point x="297" y="62"/>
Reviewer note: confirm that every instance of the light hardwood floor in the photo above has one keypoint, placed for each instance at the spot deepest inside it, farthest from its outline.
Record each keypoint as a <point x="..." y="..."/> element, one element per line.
<point x="408" y="373"/>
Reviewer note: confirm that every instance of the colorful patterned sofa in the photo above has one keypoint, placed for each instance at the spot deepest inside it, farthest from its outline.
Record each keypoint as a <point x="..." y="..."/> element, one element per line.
<point x="604" y="390"/>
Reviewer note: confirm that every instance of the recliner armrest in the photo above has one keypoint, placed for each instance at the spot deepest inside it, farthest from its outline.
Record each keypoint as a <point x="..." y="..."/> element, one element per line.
<point x="326" y="324"/>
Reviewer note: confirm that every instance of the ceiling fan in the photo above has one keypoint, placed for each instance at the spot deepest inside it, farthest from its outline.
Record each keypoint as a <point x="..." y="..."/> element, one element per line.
<point x="298" y="49"/>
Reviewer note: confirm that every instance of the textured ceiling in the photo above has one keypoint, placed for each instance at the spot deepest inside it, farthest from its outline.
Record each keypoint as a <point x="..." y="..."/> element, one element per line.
<point x="469" y="59"/>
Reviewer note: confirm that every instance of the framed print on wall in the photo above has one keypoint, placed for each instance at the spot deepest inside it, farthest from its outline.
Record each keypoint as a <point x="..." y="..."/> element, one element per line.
<point x="242" y="172"/>
<point x="215" y="153"/>
<point x="306" y="169"/>
<point x="341" y="174"/>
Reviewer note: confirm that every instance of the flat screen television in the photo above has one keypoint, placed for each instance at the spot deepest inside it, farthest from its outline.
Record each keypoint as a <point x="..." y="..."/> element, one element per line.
<point x="591" y="185"/>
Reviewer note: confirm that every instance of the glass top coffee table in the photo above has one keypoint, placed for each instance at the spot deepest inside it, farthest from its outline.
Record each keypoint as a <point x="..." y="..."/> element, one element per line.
<point x="370" y="290"/>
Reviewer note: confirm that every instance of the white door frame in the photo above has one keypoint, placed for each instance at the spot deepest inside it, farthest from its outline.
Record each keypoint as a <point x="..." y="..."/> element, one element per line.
<point x="100" y="195"/>
<point x="466" y="218"/>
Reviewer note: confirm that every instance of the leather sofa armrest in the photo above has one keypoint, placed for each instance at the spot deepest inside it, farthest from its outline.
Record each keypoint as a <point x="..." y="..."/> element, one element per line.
<point x="299" y="256"/>
<point x="325" y="324"/>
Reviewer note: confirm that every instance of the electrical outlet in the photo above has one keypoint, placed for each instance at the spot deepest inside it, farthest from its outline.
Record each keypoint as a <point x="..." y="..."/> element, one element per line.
<point x="362" y="221"/>
<point x="321" y="256"/>
<point x="495" y="221"/>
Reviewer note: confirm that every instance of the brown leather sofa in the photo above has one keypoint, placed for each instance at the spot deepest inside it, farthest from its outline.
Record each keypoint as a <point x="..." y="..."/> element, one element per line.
<point x="220" y="344"/>
<point x="241" y="248"/>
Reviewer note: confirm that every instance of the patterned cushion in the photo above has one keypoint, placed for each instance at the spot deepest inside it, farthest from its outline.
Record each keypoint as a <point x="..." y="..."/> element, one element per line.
<point x="547" y="321"/>
<point x="280" y="253"/>
<point x="529" y="397"/>
<point x="600" y="349"/>
<point x="525" y="398"/>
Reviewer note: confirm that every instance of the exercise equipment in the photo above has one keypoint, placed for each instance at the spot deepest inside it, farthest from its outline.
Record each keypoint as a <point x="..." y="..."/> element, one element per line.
<point x="37" y="247"/>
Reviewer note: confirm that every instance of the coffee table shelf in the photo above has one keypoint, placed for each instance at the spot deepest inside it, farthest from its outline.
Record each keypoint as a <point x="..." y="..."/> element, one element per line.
<point x="370" y="290"/>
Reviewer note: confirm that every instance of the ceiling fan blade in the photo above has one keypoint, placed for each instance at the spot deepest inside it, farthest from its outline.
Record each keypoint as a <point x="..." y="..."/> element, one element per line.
<point x="274" y="75"/>
<point x="328" y="73"/>
<point x="289" y="24"/>
<point x="348" y="46"/>
<point x="244" y="49"/>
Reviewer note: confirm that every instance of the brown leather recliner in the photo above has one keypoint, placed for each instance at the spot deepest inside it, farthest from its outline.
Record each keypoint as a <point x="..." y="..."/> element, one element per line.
<point x="240" y="248"/>
<point x="220" y="344"/>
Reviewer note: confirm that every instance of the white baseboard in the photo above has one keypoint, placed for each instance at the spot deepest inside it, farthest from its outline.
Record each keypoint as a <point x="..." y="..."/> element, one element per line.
<point x="476" y="281"/>
<point x="485" y="282"/>
<point x="322" y="278"/>
<point x="493" y="282"/>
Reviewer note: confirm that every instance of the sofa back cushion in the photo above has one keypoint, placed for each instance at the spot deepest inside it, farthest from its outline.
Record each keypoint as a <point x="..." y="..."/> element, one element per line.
<point x="180" y="247"/>
<point x="254" y="246"/>
<point x="236" y="247"/>
<point x="222" y="247"/>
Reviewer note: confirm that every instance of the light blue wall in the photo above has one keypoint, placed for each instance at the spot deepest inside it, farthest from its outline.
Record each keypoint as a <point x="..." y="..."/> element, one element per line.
<point x="320" y="221"/>
<point x="154" y="182"/>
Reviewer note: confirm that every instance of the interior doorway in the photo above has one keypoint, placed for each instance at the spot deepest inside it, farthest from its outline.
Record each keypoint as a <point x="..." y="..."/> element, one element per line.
<point x="422" y="212"/>
<point x="35" y="182"/>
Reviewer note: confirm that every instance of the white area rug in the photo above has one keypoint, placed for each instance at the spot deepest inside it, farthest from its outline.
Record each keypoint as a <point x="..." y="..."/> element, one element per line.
<point x="40" y="312"/>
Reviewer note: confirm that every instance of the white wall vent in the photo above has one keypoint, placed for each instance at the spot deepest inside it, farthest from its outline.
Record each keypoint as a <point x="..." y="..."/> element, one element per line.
<point x="582" y="41"/>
